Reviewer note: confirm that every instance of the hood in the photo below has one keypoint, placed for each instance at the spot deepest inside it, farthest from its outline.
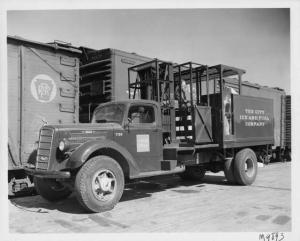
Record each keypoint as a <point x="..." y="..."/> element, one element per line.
<point x="86" y="127"/>
<point x="77" y="134"/>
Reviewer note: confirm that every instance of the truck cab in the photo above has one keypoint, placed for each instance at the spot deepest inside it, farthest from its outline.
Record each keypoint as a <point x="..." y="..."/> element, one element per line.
<point x="141" y="130"/>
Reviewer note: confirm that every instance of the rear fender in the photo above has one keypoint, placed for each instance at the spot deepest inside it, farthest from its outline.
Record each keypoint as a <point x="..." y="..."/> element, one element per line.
<point x="84" y="151"/>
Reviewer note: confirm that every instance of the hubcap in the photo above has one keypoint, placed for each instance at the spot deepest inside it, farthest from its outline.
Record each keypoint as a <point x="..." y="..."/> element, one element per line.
<point x="249" y="167"/>
<point x="104" y="185"/>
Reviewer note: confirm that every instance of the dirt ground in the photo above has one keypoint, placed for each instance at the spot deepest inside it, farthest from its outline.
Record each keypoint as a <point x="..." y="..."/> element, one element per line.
<point x="168" y="204"/>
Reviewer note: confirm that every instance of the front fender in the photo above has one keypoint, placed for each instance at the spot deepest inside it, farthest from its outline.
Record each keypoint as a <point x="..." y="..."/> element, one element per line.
<point x="82" y="153"/>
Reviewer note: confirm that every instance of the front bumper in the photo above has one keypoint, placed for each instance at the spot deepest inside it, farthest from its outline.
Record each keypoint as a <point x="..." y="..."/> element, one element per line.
<point x="47" y="174"/>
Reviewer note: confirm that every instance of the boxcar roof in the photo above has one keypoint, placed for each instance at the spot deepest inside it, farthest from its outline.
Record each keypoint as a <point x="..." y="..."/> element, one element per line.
<point x="56" y="45"/>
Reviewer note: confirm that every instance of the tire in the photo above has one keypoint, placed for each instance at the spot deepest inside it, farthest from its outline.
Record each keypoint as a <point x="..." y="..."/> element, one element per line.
<point x="99" y="184"/>
<point x="245" y="167"/>
<point x="50" y="189"/>
<point x="193" y="173"/>
<point x="229" y="171"/>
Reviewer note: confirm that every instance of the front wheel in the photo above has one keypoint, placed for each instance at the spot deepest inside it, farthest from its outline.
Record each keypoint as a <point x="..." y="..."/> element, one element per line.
<point x="99" y="184"/>
<point x="245" y="167"/>
<point x="50" y="189"/>
<point x="193" y="173"/>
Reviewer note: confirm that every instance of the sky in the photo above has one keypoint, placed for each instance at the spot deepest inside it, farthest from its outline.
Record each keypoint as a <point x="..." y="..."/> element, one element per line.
<point x="257" y="40"/>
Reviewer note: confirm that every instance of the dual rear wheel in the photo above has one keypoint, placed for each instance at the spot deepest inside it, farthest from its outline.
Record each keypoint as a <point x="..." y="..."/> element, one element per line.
<point x="242" y="169"/>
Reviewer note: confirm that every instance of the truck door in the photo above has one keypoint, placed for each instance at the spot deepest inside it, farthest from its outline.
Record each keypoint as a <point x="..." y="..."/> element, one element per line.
<point x="143" y="136"/>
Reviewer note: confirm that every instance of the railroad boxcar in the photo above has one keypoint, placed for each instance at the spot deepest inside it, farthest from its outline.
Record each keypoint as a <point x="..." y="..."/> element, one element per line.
<point x="43" y="87"/>
<point x="103" y="77"/>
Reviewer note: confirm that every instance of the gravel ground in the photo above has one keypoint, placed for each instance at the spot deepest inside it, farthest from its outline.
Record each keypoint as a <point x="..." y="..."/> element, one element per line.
<point x="168" y="204"/>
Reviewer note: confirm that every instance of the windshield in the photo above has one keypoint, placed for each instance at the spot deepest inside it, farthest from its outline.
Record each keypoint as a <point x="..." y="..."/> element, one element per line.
<point x="109" y="113"/>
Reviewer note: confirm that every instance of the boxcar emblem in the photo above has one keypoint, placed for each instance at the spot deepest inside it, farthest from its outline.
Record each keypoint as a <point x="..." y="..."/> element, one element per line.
<point x="43" y="88"/>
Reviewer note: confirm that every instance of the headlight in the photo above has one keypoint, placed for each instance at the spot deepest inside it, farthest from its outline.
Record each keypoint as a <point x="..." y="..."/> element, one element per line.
<point x="61" y="145"/>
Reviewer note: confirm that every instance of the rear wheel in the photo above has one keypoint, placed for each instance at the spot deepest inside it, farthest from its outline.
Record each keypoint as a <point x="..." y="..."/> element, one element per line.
<point x="228" y="171"/>
<point x="245" y="167"/>
<point x="99" y="184"/>
<point x="50" y="189"/>
<point x="193" y="173"/>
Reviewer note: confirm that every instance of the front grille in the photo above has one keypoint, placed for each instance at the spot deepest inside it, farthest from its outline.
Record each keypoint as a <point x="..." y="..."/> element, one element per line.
<point x="44" y="149"/>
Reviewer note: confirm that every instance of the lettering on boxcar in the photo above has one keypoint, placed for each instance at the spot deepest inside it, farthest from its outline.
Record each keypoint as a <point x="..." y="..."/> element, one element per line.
<point x="43" y="88"/>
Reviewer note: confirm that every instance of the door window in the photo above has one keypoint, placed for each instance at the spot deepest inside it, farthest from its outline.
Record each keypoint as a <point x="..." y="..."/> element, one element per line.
<point x="141" y="114"/>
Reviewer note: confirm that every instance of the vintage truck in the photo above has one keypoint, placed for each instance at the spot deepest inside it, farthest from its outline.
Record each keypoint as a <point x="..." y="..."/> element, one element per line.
<point x="161" y="129"/>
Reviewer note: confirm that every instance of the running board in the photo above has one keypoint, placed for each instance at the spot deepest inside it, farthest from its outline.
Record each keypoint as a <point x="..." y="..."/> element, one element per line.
<point x="159" y="173"/>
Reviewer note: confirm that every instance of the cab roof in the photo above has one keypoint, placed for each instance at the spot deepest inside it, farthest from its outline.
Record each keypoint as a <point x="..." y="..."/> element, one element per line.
<point x="130" y="101"/>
